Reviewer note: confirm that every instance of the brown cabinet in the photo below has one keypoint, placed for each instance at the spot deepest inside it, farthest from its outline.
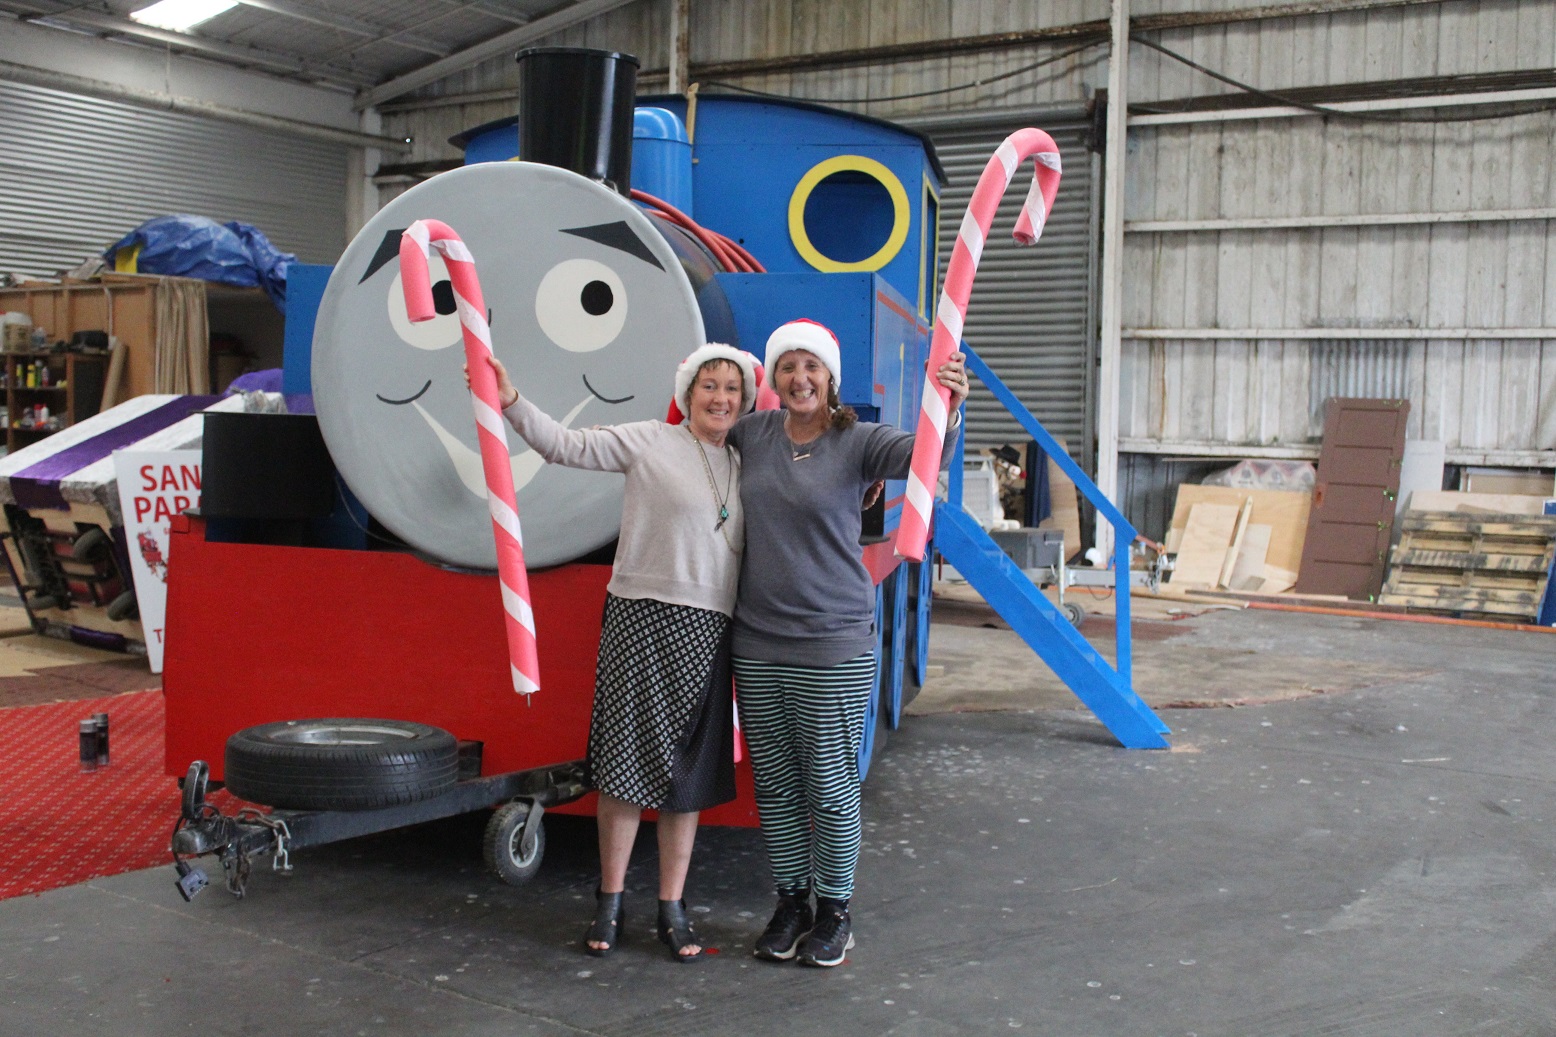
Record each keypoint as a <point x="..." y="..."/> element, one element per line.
<point x="123" y="305"/>
<point x="67" y="387"/>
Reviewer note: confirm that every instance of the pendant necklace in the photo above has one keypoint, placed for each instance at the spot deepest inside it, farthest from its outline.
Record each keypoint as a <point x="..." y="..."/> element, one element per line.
<point x="798" y="452"/>
<point x="721" y="500"/>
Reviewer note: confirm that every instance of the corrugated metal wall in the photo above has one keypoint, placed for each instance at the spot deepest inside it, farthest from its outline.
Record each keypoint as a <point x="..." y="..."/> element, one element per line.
<point x="742" y="30"/>
<point x="1302" y="297"/>
<point x="1393" y="282"/>
<point x="1031" y="316"/>
<point x="1235" y="335"/>
<point x="80" y="172"/>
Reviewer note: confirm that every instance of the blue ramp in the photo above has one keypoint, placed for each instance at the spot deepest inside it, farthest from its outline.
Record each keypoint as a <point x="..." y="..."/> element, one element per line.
<point x="1045" y="629"/>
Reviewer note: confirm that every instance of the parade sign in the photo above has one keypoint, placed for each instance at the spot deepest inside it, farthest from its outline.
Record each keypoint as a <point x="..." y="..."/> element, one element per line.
<point x="154" y="486"/>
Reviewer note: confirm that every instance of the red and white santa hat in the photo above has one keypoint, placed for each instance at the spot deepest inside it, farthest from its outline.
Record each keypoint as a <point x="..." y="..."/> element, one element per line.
<point x="810" y="336"/>
<point x="684" y="374"/>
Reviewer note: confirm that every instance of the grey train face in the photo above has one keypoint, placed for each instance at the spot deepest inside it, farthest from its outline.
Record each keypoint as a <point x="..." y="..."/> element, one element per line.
<point x="590" y="312"/>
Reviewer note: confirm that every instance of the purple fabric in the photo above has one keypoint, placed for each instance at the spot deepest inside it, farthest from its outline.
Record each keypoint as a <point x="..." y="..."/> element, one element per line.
<point x="268" y="380"/>
<point x="37" y="485"/>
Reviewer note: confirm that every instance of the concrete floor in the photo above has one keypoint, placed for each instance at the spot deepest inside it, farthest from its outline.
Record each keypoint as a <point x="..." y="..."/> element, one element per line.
<point x="1366" y="856"/>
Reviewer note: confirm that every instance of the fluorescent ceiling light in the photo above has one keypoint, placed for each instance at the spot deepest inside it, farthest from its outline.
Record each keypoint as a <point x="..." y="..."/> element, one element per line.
<point x="180" y="15"/>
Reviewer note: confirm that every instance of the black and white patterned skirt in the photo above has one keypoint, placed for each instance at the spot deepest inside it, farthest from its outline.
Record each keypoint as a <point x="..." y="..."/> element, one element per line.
<point x="662" y="732"/>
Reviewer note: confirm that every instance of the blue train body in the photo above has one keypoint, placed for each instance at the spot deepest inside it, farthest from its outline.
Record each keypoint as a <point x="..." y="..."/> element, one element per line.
<point x="842" y="212"/>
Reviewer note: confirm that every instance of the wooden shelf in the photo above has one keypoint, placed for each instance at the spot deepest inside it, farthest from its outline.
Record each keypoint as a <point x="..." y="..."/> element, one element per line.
<point x="77" y="399"/>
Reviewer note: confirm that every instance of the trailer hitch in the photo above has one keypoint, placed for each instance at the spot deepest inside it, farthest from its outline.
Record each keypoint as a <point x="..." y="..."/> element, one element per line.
<point x="235" y="840"/>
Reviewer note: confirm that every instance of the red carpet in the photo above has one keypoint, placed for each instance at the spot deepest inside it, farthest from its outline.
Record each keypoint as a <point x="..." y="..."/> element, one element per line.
<point x="59" y="825"/>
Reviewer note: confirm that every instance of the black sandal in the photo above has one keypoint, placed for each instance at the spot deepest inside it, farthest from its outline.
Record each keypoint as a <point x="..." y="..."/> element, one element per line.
<point x="609" y="918"/>
<point x="675" y="930"/>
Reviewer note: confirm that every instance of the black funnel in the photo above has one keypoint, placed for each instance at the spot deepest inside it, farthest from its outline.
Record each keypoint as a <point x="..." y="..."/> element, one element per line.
<point x="575" y="111"/>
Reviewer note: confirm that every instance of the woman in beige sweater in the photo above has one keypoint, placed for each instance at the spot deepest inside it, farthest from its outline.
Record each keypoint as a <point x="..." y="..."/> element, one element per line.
<point x="661" y="734"/>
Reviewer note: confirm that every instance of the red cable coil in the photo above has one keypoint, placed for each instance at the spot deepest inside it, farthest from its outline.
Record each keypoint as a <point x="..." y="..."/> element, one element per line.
<point x="731" y="256"/>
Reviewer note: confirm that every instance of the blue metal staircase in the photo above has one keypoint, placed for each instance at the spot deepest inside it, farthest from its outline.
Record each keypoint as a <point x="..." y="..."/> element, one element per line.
<point x="1106" y="690"/>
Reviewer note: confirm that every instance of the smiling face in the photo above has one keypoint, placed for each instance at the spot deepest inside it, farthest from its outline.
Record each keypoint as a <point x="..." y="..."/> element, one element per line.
<point x="801" y="380"/>
<point x="715" y="398"/>
<point x="588" y="308"/>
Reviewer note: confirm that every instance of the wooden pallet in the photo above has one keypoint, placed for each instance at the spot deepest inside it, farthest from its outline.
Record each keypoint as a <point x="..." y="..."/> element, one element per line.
<point x="1454" y="562"/>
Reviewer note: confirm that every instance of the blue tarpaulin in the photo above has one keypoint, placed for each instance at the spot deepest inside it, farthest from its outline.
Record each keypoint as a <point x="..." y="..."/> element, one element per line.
<point x="193" y="246"/>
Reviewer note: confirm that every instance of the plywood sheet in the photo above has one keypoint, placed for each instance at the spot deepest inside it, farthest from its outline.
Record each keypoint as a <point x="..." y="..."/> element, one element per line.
<point x="1511" y="482"/>
<point x="1248" y="568"/>
<point x="1206" y="538"/>
<point x="1483" y="503"/>
<point x="1421" y="469"/>
<point x="1064" y="503"/>
<point x="1279" y="581"/>
<point x="1238" y="531"/>
<point x="1284" y="511"/>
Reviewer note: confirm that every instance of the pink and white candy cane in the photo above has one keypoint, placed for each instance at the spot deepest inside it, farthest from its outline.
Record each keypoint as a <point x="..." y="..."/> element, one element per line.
<point x="951" y="313"/>
<point x="415" y="251"/>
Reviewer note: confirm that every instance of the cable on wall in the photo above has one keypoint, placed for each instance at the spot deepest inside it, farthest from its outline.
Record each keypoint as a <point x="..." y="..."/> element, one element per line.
<point x="1318" y="109"/>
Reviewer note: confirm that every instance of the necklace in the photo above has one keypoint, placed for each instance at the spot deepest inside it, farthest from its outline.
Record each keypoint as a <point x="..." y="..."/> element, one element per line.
<point x="798" y="451"/>
<point x="722" y="500"/>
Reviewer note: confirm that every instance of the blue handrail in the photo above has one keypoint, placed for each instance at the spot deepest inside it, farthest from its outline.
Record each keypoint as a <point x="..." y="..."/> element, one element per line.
<point x="1124" y="533"/>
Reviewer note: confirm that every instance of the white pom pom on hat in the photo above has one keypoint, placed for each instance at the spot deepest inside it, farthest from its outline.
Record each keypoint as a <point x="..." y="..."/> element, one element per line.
<point x="816" y="339"/>
<point x="744" y="362"/>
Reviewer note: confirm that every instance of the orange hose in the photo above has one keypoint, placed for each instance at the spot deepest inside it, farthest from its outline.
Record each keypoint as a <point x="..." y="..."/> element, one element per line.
<point x="1404" y="617"/>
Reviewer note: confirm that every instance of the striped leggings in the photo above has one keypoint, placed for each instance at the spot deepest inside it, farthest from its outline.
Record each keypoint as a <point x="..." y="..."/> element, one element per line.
<point x="803" y="726"/>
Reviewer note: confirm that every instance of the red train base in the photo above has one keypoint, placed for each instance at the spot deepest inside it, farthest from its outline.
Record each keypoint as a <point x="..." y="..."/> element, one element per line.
<point x="259" y="633"/>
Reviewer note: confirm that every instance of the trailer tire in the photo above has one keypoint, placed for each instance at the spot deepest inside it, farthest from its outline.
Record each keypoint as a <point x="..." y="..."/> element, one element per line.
<point x="340" y="763"/>
<point x="501" y="844"/>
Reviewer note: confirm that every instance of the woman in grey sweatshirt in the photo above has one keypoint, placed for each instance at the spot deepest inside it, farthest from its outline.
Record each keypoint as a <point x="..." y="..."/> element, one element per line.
<point x="804" y="637"/>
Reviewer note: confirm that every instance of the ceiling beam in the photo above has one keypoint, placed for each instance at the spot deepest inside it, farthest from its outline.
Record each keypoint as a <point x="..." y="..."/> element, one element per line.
<point x="1078" y="31"/>
<point x="356" y="27"/>
<point x="541" y="27"/>
<point x="194" y="106"/>
<point x="495" y="8"/>
<point x="234" y="53"/>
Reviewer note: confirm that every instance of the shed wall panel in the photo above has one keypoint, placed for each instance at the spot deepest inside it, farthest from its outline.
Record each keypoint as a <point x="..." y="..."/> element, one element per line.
<point x="81" y="172"/>
<point x="1265" y="390"/>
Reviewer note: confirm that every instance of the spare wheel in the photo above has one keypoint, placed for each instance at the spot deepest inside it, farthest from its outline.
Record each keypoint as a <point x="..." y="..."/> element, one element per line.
<point x="340" y="764"/>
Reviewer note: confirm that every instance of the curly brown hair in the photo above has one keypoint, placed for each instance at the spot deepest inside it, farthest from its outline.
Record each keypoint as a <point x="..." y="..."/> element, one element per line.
<point x="842" y="417"/>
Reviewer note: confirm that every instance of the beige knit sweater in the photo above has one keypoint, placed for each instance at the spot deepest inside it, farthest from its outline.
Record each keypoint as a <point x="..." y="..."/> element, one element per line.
<point x="669" y="549"/>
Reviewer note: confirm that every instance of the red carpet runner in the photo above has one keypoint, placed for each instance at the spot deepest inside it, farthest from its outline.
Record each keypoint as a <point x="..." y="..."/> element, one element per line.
<point x="60" y="825"/>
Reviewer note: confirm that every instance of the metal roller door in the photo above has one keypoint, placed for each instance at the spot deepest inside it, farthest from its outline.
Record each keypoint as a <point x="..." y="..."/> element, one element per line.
<point x="1031" y="315"/>
<point x="80" y="172"/>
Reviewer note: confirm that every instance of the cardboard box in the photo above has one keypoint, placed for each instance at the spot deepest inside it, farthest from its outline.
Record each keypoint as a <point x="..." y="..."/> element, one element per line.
<point x="18" y="337"/>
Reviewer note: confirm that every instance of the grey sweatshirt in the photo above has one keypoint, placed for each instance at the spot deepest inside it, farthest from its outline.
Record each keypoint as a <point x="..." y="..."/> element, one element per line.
<point x="669" y="549"/>
<point x="805" y="597"/>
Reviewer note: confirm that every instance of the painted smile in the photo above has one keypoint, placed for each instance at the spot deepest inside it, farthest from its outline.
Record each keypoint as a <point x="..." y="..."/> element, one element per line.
<point x="604" y="399"/>
<point x="409" y="399"/>
<point x="467" y="461"/>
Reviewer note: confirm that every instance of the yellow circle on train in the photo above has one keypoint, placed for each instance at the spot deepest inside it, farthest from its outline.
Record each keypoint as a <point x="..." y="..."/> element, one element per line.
<point x="848" y="164"/>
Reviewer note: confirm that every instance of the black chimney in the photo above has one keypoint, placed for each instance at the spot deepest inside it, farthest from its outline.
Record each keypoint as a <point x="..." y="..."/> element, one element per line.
<point x="575" y="111"/>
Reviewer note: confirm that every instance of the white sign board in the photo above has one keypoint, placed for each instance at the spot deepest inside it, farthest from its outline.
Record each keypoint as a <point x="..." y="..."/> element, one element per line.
<point x="154" y="485"/>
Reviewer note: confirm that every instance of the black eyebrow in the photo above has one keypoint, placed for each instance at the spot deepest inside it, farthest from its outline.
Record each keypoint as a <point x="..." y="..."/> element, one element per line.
<point x="618" y="236"/>
<point x="388" y="249"/>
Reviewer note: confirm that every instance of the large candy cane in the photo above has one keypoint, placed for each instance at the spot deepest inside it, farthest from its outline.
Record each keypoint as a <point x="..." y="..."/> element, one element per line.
<point x="415" y="249"/>
<point x="951" y="312"/>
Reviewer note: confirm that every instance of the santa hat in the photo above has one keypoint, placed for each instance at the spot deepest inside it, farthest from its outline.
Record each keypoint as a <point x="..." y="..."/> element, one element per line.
<point x="816" y="339"/>
<point x="744" y="362"/>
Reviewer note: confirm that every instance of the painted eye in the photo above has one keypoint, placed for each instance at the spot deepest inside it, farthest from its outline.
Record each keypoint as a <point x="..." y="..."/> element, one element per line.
<point x="581" y="305"/>
<point x="441" y="331"/>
